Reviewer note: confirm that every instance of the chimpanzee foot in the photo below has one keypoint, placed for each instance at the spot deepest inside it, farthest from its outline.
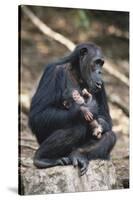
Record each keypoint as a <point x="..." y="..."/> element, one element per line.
<point x="97" y="132"/>
<point x="64" y="161"/>
<point x="79" y="160"/>
<point x="83" y="170"/>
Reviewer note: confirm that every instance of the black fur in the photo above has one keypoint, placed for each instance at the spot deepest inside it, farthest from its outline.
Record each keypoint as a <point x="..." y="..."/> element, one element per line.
<point x="61" y="133"/>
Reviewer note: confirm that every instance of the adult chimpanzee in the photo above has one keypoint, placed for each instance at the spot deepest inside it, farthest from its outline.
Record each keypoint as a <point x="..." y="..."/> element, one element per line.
<point x="63" y="135"/>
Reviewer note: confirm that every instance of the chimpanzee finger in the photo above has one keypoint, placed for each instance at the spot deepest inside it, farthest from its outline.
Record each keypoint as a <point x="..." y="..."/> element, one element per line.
<point x="99" y="135"/>
<point x="83" y="169"/>
<point x="90" y="115"/>
<point x="88" y="118"/>
<point x="65" y="160"/>
<point x="75" y="162"/>
<point x="60" y="162"/>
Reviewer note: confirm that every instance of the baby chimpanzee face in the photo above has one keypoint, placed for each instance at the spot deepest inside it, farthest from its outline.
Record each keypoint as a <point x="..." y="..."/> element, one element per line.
<point x="76" y="97"/>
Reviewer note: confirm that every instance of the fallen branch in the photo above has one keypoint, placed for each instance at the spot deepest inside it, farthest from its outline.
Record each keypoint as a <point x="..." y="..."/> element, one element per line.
<point x="28" y="139"/>
<point x="117" y="101"/>
<point x="112" y="71"/>
<point x="66" y="42"/>
<point x="29" y="146"/>
<point x="48" y="31"/>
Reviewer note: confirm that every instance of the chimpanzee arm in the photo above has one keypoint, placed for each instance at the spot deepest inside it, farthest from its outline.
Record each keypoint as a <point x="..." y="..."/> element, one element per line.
<point x="45" y="107"/>
<point x="103" y="110"/>
<point x="58" y="118"/>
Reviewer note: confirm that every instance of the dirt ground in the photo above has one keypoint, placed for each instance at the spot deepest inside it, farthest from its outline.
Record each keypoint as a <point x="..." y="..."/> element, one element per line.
<point x="37" y="50"/>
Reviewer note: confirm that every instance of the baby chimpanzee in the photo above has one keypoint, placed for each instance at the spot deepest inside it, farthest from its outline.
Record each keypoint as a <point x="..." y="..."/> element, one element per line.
<point x="85" y="102"/>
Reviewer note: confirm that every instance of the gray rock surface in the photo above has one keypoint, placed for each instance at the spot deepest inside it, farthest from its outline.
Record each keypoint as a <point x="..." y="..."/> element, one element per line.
<point x="62" y="179"/>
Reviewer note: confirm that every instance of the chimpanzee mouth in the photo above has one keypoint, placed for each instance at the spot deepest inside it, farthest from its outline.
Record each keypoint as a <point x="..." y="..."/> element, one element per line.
<point x="93" y="87"/>
<point x="98" y="85"/>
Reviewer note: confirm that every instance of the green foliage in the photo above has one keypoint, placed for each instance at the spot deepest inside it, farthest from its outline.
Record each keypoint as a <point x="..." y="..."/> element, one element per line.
<point x="83" y="20"/>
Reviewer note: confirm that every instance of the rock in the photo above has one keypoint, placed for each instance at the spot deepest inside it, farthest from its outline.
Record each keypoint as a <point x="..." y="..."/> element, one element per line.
<point x="61" y="179"/>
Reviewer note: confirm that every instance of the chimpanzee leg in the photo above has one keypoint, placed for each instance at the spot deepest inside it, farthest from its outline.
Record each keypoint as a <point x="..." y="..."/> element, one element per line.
<point x="100" y="149"/>
<point x="103" y="147"/>
<point x="59" y="144"/>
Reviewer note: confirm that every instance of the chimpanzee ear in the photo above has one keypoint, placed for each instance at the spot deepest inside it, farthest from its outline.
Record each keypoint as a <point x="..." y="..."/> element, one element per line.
<point x="83" y="51"/>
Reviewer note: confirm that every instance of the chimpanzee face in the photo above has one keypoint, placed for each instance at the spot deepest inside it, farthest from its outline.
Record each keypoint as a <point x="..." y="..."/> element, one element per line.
<point x="91" y="62"/>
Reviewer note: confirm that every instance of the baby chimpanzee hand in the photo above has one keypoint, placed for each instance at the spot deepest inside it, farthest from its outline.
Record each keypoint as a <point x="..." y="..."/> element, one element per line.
<point x="87" y="114"/>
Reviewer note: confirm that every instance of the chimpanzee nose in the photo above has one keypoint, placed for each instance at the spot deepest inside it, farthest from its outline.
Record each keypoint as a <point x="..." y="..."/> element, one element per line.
<point x="99" y="84"/>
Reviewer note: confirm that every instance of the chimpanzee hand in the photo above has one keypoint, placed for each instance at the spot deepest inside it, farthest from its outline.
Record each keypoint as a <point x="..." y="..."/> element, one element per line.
<point x="79" y="160"/>
<point x="86" y="93"/>
<point x="87" y="114"/>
